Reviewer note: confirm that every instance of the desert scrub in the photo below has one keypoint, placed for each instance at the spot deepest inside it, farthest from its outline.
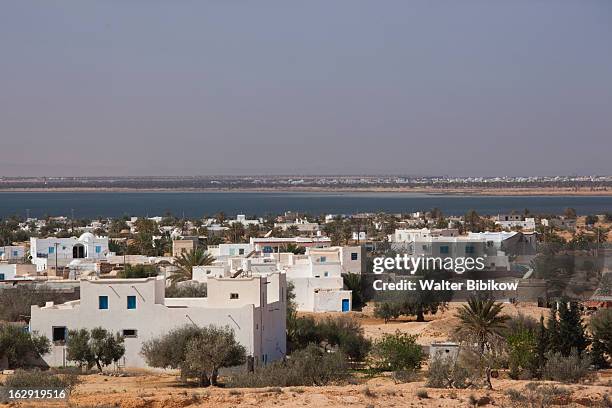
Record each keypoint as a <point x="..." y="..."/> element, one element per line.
<point x="307" y="367"/>
<point x="40" y="379"/>
<point x="446" y="373"/>
<point x="570" y="369"/>
<point x="539" y="395"/>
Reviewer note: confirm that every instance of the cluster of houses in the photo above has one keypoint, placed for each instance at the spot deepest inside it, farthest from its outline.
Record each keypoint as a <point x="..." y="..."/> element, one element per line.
<point x="247" y="283"/>
<point x="246" y="290"/>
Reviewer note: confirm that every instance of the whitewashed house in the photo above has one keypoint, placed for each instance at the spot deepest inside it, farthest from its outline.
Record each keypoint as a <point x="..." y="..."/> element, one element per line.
<point x="509" y="221"/>
<point x="12" y="253"/>
<point x="46" y="252"/>
<point x="16" y="271"/>
<point x="317" y="280"/>
<point x="242" y="219"/>
<point x="253" y="307"/>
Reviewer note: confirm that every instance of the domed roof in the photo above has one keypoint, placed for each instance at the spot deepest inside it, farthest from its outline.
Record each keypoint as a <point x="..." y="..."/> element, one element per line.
<point x="87" y="237"/>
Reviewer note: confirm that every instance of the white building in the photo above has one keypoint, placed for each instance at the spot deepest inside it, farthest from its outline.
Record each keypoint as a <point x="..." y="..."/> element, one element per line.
<point x="317" y="277"/>
<point x="47" y="251"/>
<point x="225" y="250"/>
<point x="410" y="234"/>
<point x="561" y="223"/>
<point x="445" y="243"/>
<point x="302" y="224"/>
<point x="12" y="253"/>
<point x="509" y="221"/>
<point x="272" y="244"/>
<point x="242" y="219"/>
<point x="16" y="271"/>
<point x="254" y="307"/>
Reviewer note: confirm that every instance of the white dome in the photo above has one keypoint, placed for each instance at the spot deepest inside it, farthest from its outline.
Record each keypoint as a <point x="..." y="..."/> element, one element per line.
<point x="87" y="237"/>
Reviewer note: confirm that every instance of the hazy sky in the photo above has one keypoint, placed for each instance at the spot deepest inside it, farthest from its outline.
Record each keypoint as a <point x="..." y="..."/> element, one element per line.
<point x="130" y="87"/>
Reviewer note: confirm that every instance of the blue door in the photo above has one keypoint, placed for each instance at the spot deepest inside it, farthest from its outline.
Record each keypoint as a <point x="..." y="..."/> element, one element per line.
<point x="345" y="305"/>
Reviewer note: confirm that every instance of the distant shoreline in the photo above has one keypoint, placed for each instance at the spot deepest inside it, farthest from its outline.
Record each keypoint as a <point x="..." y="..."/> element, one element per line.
<point x="541" y="191"/>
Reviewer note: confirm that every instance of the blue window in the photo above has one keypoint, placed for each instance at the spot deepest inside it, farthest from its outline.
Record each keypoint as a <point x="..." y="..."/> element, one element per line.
<point x="1" y="252"/>
<point x="131" y="302"/>
<point x="102" y="302"/>
<point x="1" y="276"/>
<point x="267" y="249"/>
<point x="469" y="249"/>
<point x="98" y="249"/>
<point x="51" y="250"/>
<point x="444" y="249"/>
<point x="15" y="253"/>
<point x="354" y="256"/>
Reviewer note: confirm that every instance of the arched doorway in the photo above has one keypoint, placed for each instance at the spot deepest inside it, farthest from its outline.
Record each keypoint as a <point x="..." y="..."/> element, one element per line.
<point x="78" y="251"/>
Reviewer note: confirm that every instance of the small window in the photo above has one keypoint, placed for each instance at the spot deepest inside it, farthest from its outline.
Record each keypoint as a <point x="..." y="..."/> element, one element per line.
<point x="130" y="333"/>
<point x="51" y="250"/>
<point x="1" y="277"/>
<point x="15" y="253"/>
<point x="234" y="296"/>
<point x="98" y="249"/>
<point x="354" y="256"/>
<point x="326" y="274"/>
<point x="323" y="259"/>
<point x="59" y="334"/>
<point x="131" y="302"/>
<point x="208" y="271"/>
<point x="102" y="302"/>
<point x="241" y="251"/>
<point x="444" y="249"/>
<point x="317" y="276"/>
<point x="469" y="249"/>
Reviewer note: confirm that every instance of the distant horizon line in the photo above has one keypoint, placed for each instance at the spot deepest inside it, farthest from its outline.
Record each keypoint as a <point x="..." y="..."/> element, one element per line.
<point x="310" y="176"/>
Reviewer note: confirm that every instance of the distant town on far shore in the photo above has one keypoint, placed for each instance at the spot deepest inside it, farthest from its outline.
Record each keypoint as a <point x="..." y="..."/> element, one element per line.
<point x="575" y="184"/>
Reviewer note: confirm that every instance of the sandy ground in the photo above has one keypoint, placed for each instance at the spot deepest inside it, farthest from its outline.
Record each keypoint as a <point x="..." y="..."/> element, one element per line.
<point x="438" y="327"/>
<point x="163" y="391"/>
<point x="151" y="390"/>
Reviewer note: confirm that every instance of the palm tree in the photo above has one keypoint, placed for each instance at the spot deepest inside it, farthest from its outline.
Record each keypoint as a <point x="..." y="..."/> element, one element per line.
<point x="481" y="321"/>
<point x="187" y="261"/>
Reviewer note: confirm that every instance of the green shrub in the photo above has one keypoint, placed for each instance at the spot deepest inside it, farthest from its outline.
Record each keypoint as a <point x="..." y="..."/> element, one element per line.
<point x="398" y="351"/>
<point x="346" y="334"/>
<point x="190" y="290"/>
<point x="404" y="376"/>
<point x="40" y="379"/>
<point x="19" y="346"/>
<point x="522" y="354"/>
<point x="446" y="373"/>
<point x="387" y="310"/>
<point x="570" y="369"/>
<point x="138" y="271"/>
<point x="422" y="394"/>
<point x="307" y="367"/>
<point x="199" y="352"/>
<point x="539" y="395"/>
<point x="97" y="347"/>
<point x="343" y="333"/>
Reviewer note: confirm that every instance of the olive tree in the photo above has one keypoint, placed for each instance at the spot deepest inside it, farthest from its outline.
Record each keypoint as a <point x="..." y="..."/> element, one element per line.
<point x="198" y="352"/>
